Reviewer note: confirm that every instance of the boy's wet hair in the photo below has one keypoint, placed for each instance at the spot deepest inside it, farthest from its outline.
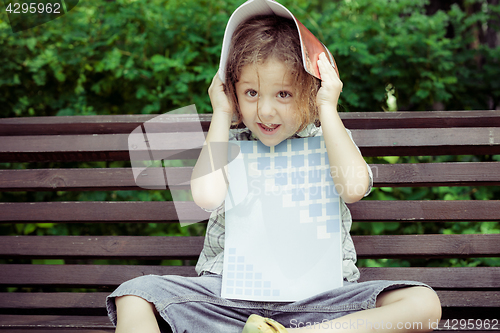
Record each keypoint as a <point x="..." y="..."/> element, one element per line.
<point x="272" y="37"/>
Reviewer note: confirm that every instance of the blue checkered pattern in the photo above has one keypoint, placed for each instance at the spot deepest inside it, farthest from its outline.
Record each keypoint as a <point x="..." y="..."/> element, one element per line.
<point x="295" y="177"/>
<point x="212" y="256"/>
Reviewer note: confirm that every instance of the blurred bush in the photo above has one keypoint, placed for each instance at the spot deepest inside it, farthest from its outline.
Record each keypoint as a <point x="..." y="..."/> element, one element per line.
<point x="132" y="57"/>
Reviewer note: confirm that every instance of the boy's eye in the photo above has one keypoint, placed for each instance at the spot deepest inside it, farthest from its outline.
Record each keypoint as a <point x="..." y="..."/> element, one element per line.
<point x="284" y="94"/>
<point x="251" y="93"/>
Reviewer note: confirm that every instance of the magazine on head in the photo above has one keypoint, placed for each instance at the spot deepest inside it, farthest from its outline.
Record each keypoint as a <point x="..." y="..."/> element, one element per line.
<point x="310" y="45"/>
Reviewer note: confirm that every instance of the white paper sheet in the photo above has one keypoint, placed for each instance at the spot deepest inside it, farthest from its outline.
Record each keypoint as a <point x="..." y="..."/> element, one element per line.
<point x="283" y="223"/>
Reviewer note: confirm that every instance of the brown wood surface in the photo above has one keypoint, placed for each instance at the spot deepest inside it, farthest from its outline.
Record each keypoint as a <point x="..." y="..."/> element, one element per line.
<point x="166" y="211"/>
<point x="428" y="141"/>
<point x="110" y="276"/>
<point x="110" y="124"/>
<point x="97" y="324"/>
<point x="147" y="247"/>
<point x="58" y="329"/>
<point x="53" y="322"/>
<point x="377" y="134"/>
<point x="97" y="300"/>
<point x="119" y="179"/>
<point x="378" y="142"/>
<point x="177" y="247"/>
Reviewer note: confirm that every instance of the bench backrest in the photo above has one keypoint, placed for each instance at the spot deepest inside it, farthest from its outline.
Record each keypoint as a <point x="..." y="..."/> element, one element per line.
<point x="465" y="292"/>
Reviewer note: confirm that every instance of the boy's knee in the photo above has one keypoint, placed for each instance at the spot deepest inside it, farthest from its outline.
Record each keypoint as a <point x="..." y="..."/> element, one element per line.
<point x="430" y="300"/>
<point x="422" y="301"/>
<point x="426" y="302"/>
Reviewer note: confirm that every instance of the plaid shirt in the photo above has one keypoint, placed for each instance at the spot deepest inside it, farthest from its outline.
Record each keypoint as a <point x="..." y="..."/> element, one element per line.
<point x="212" y="256"/>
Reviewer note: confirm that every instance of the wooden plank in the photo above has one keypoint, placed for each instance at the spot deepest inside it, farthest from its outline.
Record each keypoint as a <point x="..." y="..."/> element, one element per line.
<point x="145" y="247"/>
<point x="420" y="119"/>
<point x="428" y="141"/>
<point x="54" y="322"/>
<point x="104" y="124"/>
<point x="119" y="179"/>
<point x="453" y="298"/>
<point x="110" y="276"/>
<point x="99" y="324"/>
<point x="436" y="174"/>
<point x="166" y="211"/>
<point x="59" y="330"/>
<point x="111" y="147"/>
<point x="92" y="276"/>
<point x="427" y="246"/>
<point x="438" y="277"/>
<point x="97" y="300"/>
<point x="113" y="124"/>
<point x="93" y="179"/>
<point x="100" y="211"/>
<point x="96" y="147"/>
<point x="172" y="247"/>
<point x="425" y="210"/>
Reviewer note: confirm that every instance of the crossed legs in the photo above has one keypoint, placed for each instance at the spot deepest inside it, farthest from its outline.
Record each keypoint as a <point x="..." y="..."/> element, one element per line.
<point x="411" y="309"/>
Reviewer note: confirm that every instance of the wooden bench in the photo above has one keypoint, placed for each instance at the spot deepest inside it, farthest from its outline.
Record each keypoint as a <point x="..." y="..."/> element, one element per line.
<point x="465" y="292"/>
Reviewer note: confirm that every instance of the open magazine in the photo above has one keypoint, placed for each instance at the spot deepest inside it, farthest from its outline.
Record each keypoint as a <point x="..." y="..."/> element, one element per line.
<point x="311" y="46"/>
<point x="283" y="223"/>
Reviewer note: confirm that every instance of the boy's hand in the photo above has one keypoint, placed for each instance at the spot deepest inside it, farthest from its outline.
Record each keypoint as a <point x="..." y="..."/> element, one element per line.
<point x="220" y="101"/>
<point x="331" y="86"/>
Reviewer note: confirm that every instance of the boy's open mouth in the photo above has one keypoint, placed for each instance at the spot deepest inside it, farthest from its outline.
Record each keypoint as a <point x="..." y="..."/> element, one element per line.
<point x="269" y="128"/>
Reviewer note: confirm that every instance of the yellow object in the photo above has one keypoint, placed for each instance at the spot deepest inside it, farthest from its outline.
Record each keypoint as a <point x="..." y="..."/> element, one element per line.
<point x="258" y="324"/>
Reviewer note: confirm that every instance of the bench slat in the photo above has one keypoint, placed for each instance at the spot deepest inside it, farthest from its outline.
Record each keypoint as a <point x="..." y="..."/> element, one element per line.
<point x="97" y="300"/>
<point x="54" y="321"/>
<point x="111" y="124"/>
<point x="108" y="179"/>
<point x="428" y="141"/>
<point x="379" y="142"/>
<point x="110" y="276"/>
<point x="65" y="247"/>
<point x="177" y="247"/>
<point x="101" y="324"/>
<point x="165" y="211"/>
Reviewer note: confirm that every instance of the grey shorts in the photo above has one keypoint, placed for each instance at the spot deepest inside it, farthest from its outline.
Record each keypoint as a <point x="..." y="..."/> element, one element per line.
<point x="193" y="304"/>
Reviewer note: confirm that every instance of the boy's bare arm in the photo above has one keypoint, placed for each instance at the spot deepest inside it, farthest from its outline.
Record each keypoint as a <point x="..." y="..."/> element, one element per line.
<point x="347" y="166"/>
<point x="208" y="182"/>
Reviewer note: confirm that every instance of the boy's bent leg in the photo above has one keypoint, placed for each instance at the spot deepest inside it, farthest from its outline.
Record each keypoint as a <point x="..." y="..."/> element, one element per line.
<point x="410" y="309"/>
<point x="135" y="314"/>
<point x="187" y="304"/>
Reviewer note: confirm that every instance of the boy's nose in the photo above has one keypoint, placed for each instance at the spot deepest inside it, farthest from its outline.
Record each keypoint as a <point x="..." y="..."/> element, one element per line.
<point x="266" y="110"/>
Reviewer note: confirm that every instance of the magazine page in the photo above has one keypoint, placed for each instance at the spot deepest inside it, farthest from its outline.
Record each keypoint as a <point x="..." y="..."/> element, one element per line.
<point x="283" y="223"/>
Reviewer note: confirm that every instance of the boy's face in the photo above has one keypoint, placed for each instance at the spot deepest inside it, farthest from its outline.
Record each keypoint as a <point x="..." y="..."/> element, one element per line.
<point x="267" y="91"/>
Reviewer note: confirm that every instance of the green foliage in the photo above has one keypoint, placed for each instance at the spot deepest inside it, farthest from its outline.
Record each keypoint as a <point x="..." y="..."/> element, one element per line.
<point x="113" y="57"/>
<point x="130" y="57"/>
<point x="381" y="45"/>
